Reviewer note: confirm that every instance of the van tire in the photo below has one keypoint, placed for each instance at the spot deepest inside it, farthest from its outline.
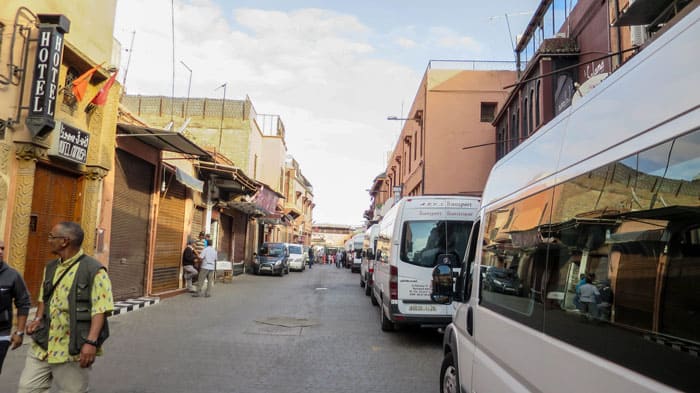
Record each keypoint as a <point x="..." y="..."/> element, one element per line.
<point x="374" y="300"/>
<point x="449" y="376"/>
<point x="387" y="325"/>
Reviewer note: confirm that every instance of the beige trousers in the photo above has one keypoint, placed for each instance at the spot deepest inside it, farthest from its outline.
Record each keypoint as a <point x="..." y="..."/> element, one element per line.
<point x="38" y="375"/>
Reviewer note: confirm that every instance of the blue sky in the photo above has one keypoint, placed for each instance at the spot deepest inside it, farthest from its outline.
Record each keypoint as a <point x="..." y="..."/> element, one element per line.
<point x="333" y="70"/>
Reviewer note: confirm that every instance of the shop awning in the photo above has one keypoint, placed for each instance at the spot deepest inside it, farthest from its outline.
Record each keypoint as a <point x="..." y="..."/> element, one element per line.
<point x="228" y="177"/>
<point x="162" y="140"/>
<point x="188" y="180"/>
<point x="249" y="208"/>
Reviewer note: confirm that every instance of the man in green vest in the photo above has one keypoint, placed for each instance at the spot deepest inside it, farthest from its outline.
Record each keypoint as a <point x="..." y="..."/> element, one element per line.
<point x="74" y="301"/>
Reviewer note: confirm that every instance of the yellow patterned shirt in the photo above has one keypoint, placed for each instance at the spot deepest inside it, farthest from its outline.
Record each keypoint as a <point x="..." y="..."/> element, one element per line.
<point x="59" y="331"/>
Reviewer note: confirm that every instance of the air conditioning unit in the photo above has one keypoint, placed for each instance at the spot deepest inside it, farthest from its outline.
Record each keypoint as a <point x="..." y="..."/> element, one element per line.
<point x="638" y="35"/>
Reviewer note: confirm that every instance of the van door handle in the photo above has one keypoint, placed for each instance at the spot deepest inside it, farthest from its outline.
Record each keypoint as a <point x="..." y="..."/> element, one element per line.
<point x="470" y="321"/>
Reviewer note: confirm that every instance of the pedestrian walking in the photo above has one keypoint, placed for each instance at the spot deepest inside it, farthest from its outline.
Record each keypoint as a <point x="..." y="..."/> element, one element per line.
<point x="311" y="257"/>
<point x="12" y="289"/>
<point x="73" y="316"/>
<point x="188" y="259"/>
<point x="206" y="272"/>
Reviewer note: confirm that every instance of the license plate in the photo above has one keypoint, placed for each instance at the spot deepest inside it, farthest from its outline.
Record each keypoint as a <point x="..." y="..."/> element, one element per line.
<point x="266" y="268"/>
<point x="422" y="307"/>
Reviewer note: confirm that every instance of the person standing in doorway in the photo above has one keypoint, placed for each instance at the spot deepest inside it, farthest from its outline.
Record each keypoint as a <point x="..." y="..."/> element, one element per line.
<point x="73" y="318"/>
<point x="589" y="298"/>
<point x="188" y="259"/>
<point x="12" y="289"/>
<point x="206" y="272"/>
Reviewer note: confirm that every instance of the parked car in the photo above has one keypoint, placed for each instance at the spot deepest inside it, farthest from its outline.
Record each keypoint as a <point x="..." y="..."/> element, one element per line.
<point x="297" y="257"/>
<point x="502" y="280"/>
<point x="272" y="258"/>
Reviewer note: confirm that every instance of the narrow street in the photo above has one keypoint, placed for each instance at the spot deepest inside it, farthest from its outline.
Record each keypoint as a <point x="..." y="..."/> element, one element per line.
<point x="186" y="344"/>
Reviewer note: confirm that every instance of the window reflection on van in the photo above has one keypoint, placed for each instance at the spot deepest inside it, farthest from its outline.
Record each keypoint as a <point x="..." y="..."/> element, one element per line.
<point x="613" y="266"/>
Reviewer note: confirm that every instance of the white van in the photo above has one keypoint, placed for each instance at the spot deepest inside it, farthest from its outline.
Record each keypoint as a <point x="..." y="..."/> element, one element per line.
<point x="356" y="255"/>
<point x="583" y="271"/>
<point x="413" y="235"/>
<point x="367" y="269"/>
<point x="297" y="258"/>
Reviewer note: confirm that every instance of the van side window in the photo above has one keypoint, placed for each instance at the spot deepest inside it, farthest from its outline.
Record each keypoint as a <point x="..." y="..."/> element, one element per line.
<point x="628" y="288"/>
<point x="514" y="259"/>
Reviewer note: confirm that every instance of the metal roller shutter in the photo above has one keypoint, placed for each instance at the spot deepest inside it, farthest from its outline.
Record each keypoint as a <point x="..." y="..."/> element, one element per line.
<point x="197" y="222"/>
<point x="133" y="182"/>
<point x="169" y="234"/>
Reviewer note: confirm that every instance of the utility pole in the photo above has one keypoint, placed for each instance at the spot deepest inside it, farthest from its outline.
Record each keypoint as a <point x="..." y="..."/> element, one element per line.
<point x="128" y="61"/>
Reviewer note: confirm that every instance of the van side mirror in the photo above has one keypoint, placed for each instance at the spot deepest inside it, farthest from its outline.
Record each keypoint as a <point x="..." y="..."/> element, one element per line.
<point x="443" y="291"/>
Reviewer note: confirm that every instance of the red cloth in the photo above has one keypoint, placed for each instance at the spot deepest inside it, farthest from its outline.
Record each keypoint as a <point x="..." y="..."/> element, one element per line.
<point x="80" y="83"/>
<point x="103" y="94"/>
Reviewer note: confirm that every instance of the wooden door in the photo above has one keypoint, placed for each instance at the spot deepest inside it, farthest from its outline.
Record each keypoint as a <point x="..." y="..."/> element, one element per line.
<point x="55" y="199"/>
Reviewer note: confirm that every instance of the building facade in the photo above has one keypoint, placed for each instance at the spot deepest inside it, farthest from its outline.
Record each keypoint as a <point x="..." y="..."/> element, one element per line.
<point x="55" y="148"/>
<point x="567" y="49"/>
<point x="446" y="146"/>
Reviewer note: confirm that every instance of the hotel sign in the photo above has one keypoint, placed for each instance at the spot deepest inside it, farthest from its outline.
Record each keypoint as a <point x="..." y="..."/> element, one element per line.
<point x="69" y="143"/>
<point x="49" y="52"/>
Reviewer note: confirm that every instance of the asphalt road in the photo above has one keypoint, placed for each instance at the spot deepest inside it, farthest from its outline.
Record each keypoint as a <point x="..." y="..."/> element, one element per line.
<point x="314" y="331"/>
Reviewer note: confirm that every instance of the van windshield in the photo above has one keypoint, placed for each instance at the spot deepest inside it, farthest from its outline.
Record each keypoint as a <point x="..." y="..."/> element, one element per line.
<point x="272" y="250"/>
<point x="423" y="241"/>
<point x="295" y="250"/>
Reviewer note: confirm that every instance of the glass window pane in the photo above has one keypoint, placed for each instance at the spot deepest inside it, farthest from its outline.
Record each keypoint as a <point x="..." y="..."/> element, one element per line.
<point x="514" y="260"/>
<point x="628" y="287"/>
<point x="423" y="241"/>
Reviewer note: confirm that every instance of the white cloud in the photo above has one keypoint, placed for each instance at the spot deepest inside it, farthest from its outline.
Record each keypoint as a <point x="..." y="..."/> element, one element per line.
<point x="313" y="67"/>
<point x="406" y="43"/>
<point x="448" y="38"/>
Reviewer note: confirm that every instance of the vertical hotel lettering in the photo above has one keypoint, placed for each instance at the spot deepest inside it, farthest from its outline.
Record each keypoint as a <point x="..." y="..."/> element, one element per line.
<point x="49" y="51"/>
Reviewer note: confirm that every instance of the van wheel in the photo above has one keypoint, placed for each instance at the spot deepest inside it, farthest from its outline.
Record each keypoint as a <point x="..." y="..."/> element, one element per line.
<point x="374" y="300"/>
<point x="387" y="325"/>
<point x="449" y="377"/>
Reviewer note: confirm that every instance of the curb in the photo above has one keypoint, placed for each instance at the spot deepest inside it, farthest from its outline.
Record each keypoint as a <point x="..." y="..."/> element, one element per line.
<point x="128" y="305"/>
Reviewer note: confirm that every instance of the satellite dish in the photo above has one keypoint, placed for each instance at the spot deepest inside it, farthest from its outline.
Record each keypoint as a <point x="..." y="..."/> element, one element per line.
<point x="587" y="86"/>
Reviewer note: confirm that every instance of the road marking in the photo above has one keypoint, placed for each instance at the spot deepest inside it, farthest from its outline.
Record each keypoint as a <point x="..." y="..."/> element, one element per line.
<point x="321" y="289"/>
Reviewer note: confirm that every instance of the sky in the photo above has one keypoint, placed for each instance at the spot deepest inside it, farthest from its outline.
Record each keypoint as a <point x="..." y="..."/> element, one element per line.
<point x="332" y="70"/>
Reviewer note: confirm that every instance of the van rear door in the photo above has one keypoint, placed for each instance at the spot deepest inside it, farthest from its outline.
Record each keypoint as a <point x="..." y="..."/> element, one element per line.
<point x="422" y="242"/>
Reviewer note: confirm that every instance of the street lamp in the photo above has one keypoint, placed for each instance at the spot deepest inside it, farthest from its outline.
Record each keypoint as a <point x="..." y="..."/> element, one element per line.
<point x="418" y="117"/>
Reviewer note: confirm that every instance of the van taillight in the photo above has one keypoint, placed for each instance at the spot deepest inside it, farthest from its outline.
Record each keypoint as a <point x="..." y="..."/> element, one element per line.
<point x="394" y="283"/>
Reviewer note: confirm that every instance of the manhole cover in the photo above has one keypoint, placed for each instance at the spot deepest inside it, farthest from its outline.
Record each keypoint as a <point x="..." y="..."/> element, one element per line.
<point x="288" y="322"/>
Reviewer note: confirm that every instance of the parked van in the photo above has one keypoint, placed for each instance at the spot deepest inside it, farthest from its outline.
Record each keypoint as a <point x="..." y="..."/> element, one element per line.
<point x="296" y="257"/>
<point x="582" y="273"/>
<point x="356" y="255"/>
<point x="367" y="269"/>
<point x="414" y="234"/>
<point x="347" y="247"/>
